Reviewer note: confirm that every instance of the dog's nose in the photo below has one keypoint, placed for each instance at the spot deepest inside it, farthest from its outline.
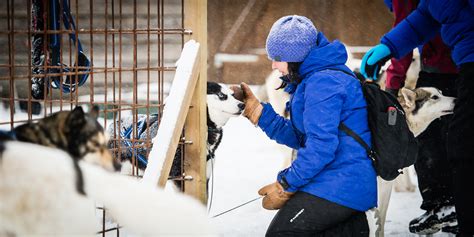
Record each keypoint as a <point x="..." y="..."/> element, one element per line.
<point x="241" y="106"/>
<point x="117" y="165"/>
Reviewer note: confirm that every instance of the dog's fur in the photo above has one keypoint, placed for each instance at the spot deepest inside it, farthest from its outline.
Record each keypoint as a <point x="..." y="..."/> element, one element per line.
<point x="75" y="132"/>
<point x="421" y="106"/>
<point x="221" y="106"/>
<point x="38" y="197"/>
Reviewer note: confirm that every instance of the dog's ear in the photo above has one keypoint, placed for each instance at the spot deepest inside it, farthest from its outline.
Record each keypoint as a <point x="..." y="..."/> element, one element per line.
<point x="76" y="118"/>
<point x="409" y="97"/>
<point x="78" y="111"/>
<point x="25" y="132"/>
<point x="94" y="112"/>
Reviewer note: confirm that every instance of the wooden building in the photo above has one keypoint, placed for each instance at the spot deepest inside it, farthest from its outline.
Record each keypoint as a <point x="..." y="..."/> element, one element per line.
<point x="237" y="31"/>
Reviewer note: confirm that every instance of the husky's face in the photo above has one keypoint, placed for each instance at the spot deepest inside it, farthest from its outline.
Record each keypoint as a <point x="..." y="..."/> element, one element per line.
<point x="221" y="103"/>
<point x="88" y="140"/>
<point x="423" y="105"/>
<point x="76" y="132"/>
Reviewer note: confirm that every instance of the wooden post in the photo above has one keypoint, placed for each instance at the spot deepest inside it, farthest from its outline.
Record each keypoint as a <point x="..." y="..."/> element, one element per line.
<point x="177" y="106"/>
<point x="195" y="19"/>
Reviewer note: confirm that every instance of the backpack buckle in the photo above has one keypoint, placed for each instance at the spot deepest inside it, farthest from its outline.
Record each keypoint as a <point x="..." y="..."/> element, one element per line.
<point x="372" y="155"/>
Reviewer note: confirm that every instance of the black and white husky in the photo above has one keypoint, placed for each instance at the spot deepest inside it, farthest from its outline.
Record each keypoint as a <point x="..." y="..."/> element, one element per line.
<point x="39" y="198"/>
<point x="221" y="106"/>
<point x="421" y="106"/>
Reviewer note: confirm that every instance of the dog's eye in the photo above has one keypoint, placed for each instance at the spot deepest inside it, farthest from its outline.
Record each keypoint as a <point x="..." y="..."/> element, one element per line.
<point x="435" y="97"/>
<point x="221" y="96"/>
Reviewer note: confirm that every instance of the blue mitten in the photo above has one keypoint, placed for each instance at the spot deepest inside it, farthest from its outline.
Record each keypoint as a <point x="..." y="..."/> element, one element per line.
<point x="373" y="60"/>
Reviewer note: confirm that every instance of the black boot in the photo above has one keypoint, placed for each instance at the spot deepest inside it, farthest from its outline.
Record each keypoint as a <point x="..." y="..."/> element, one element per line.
<point x="451" y="229"/>
<point x="434" y="220"/>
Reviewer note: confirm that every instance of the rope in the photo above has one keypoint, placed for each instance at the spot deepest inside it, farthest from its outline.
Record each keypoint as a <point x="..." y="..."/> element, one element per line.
<point x="71" y="82"/>
<point x="127" y="135"/>
<point x="243" y="204"/>
<point x="212" y="187"/>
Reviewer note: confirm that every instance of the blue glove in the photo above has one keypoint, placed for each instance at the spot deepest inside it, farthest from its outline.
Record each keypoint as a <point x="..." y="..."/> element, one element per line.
<point x="373" y="60"/>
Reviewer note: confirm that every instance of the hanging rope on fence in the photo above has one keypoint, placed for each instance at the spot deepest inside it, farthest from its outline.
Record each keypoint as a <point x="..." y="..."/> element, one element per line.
<point x="40" y="84"/>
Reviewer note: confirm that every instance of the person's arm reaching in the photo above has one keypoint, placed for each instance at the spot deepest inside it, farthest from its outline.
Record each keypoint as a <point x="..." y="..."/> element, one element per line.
<point x="417" y="29"/>
<point x="275" y="126"/>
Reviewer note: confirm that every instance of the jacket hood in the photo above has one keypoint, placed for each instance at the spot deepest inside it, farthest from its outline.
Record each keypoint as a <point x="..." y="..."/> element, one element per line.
<point x="326" y="55"/>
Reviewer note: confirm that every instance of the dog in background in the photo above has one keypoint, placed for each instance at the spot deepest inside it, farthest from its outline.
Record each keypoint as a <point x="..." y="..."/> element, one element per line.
<point x="221" y="106"/>
<point x="39" y="198"/>
<point x="75" y="132"/>
<point x="421" y="106"/>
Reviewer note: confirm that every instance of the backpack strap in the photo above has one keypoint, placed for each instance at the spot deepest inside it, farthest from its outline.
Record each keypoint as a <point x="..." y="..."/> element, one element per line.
<point x="371" y="153"/>
<point x="343" y="71"/>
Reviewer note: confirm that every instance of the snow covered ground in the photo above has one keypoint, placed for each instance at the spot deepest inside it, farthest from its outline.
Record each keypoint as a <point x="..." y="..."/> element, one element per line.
<point x="247" y="160"/>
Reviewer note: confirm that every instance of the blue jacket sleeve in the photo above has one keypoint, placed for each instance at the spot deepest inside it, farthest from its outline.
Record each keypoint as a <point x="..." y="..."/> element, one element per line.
<point x="417" y="29"/>
<point x="278" y="128"/>
<point x="321" y="119"/>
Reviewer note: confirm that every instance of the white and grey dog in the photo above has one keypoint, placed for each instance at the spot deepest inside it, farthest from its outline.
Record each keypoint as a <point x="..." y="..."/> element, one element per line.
<point x="422" y="106"/>
<point x="221" y="106"/>
<point x="39" y="197"/>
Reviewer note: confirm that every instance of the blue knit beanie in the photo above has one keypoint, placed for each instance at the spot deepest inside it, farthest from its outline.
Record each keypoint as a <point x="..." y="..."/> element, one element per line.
<point x="291" y="38"/>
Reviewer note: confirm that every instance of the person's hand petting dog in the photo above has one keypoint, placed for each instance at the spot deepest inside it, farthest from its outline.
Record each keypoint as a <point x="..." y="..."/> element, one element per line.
<point x="253" y="108"/>
<point x="275" y="196"/>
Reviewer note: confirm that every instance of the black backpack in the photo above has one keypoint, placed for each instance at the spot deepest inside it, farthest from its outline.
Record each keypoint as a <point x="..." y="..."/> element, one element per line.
<point x="394" y="146"/>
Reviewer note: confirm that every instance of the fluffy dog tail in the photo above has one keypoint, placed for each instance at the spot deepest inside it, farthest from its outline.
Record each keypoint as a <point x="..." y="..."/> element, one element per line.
<point x="143" y="209"/>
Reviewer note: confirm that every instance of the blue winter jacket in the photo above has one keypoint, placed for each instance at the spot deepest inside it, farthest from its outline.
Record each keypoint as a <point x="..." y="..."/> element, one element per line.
<point x="329" y="164"/>
<point x="454" y="19"/>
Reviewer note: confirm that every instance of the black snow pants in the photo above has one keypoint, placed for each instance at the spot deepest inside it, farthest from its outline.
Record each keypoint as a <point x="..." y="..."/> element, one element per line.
<point x="432" y="166"/>
<point x="461" y="149"/>
<point x="307" y="215"/>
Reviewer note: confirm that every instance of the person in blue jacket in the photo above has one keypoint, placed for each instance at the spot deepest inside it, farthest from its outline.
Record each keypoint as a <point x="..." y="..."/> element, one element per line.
<point x="454" y="20"/>
<point x="332" y="182"/>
